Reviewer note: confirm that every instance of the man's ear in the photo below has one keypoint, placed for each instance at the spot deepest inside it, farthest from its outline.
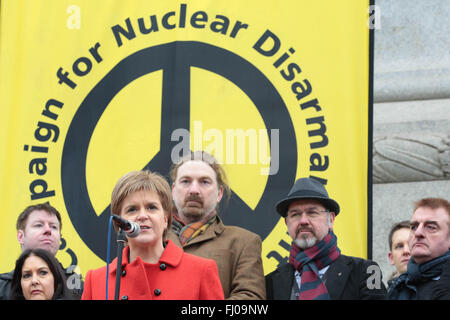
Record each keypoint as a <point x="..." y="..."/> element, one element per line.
<point x="332" y="217"/>
<point x="391" y="258"/>
<point x="220" y="195"/>
<point x="20" y="236"/>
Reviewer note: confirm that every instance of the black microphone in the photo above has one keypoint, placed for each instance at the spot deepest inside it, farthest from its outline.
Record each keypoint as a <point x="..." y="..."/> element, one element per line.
<point x="131" y="228"/>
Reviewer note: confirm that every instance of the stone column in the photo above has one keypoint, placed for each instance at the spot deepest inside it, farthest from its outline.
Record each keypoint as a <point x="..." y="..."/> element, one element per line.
<point x="411" y="138"/>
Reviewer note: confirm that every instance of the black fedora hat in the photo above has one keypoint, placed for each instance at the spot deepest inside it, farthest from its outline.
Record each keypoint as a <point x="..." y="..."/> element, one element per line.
<point x="307" y="188"/>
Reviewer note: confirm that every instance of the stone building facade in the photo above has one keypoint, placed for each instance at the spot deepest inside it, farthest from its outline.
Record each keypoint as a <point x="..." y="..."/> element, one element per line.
<point x="411" y="113"/>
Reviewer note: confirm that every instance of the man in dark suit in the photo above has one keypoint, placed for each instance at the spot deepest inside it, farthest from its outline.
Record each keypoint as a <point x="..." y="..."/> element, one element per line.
<point x="427" y="275"/>
<point x="316" y="268"/>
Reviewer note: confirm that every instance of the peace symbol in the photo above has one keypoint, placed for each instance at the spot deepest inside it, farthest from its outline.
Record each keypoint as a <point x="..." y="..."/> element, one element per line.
<point x="175" y="59"/>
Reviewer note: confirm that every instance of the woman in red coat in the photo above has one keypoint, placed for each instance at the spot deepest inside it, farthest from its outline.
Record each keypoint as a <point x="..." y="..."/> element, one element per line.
<point x="152" y="268"/>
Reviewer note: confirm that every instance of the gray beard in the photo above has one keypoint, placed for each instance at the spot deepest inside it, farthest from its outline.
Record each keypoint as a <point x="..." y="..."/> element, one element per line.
<point x="303" y="243"/>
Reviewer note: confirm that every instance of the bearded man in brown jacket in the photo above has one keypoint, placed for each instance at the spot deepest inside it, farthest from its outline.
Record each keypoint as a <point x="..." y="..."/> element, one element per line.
<point x="198" y="184"/>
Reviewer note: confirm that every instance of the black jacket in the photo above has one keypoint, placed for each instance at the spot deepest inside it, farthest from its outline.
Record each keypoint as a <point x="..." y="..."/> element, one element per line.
<point x="345" y="279"/>
<point x="5" y="285"/>
<point x="436" y="289"/>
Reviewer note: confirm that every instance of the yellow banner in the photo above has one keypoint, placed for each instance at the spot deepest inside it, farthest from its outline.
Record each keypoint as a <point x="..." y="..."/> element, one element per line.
<point x="91" y="90"/>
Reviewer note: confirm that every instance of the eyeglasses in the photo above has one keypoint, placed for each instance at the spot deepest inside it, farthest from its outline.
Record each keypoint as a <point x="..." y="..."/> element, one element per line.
<point x="310" y="214"/>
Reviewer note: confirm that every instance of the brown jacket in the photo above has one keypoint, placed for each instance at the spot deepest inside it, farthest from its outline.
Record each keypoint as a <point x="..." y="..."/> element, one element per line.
<point x="237" y="253"/>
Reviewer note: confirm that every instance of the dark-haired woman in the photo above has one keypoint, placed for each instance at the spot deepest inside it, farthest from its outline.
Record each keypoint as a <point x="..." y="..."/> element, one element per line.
<point x="38" y="276"/>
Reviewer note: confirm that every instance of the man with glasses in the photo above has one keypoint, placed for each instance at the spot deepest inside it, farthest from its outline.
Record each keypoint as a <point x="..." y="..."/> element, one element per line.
<point x="317" y="270"/>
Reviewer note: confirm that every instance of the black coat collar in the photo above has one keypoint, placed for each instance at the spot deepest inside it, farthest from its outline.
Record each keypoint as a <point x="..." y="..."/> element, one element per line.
<point x="335" y="279"/>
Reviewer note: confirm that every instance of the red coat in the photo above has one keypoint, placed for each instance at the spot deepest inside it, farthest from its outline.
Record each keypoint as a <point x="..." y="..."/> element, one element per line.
<point x="176" y="276"/>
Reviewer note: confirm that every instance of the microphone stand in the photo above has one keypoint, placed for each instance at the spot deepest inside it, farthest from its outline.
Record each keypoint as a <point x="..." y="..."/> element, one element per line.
<point x="121" y="239"/>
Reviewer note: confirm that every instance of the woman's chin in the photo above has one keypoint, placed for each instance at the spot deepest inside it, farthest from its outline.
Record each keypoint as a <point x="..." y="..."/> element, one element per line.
<point x="148" y="239"/>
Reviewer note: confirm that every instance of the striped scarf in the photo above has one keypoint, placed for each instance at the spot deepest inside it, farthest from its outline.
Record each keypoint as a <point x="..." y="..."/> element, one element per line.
<point x="188" y="232"/>
<point x="308" y="262"/>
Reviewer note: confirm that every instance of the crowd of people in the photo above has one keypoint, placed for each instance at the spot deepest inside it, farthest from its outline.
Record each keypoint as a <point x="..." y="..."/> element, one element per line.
<point x="185" y="252"/>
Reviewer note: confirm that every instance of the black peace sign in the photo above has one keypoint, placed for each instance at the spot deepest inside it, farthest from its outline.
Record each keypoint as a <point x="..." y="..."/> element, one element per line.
<point x="176" y="60"/>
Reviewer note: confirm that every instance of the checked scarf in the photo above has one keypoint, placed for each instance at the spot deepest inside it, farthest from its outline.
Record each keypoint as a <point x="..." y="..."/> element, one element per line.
<point x="405" y="287"/>
<point x="188" y="232"/>
<point x="308" y="262"/>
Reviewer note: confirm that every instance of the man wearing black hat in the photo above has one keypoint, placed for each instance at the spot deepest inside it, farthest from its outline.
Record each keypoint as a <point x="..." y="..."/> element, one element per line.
<point x="316" y="268"/>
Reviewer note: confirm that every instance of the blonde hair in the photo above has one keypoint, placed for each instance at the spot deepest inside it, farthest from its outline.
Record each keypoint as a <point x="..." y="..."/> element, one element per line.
<point x="143" y="180"/>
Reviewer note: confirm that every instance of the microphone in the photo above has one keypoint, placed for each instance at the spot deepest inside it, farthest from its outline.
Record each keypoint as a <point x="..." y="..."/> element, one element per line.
<point x="131" y="228"/>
